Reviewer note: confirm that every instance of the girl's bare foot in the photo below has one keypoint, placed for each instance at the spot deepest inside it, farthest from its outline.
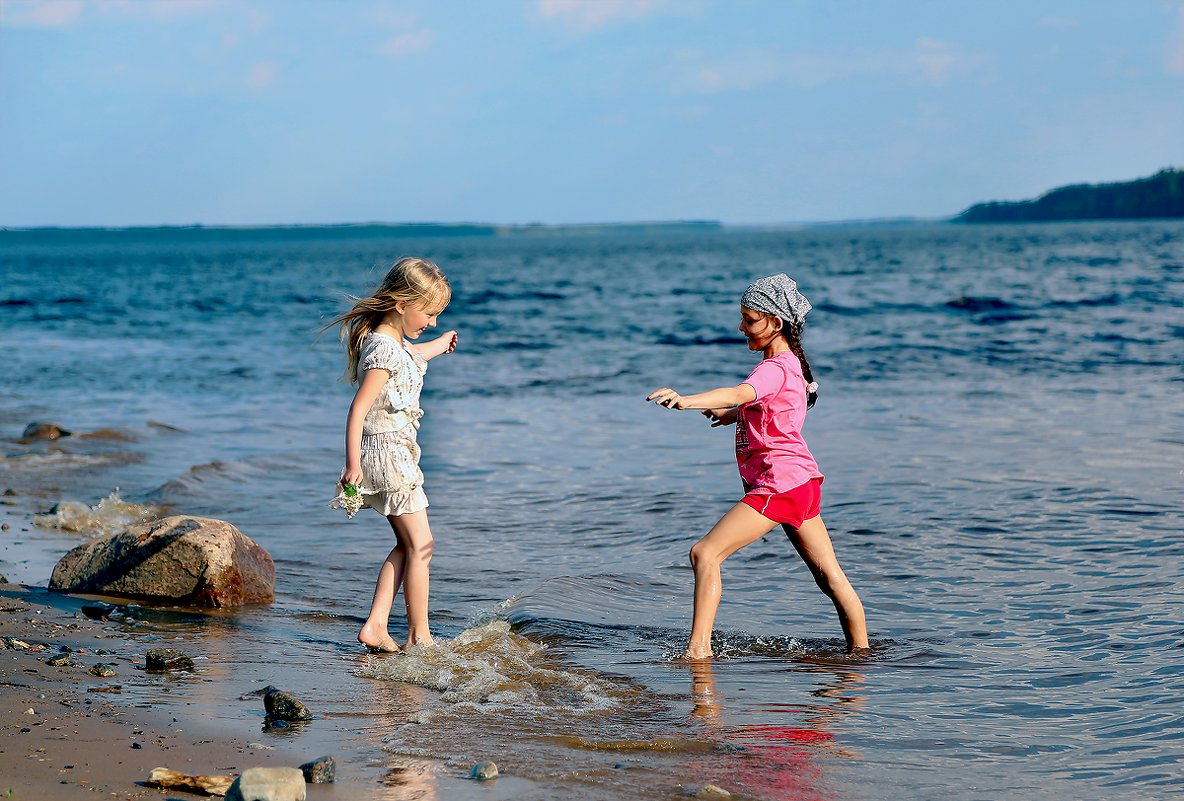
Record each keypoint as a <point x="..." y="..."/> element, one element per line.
<point x="411" y="641"/>
<point x="376" y="640"/>
<point x="697" y="652"/>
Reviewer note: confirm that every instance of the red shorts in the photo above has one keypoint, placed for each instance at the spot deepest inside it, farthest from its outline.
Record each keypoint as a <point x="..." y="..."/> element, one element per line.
<point x="790" y="508"/>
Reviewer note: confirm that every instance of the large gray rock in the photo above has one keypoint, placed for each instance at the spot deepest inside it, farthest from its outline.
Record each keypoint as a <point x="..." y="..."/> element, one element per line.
<point x="183" y="559"/>
<point x="268" y="784"/>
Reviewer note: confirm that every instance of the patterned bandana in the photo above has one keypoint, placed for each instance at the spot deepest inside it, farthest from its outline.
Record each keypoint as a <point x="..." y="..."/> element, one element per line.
<point x="777" y="294"/>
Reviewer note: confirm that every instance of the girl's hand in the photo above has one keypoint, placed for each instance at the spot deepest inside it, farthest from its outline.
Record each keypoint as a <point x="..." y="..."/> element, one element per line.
<point x="666" y="397"/>
<point x="451" y="338"/>
<point x="720" y="417"/>
<point x="352" y="475"/>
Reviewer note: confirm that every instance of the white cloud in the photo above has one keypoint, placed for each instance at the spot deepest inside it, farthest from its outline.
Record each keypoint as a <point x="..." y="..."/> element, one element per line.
<point x="407" y="39"/>
<point x="1175" y="60"/>
<point x="159" y="10"/>
<point x="936" y="60"/>
<point x="408" y="44"/>
<point x="62" y="13"/>
<point x="40" y="13"/>
<point x="262" y="74"/>
<point x="589" y="16"/>
<point x="930" y="61"/>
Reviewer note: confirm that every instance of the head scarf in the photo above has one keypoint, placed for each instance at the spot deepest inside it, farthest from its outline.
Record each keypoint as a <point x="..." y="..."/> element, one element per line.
<point x="777" y="294"/>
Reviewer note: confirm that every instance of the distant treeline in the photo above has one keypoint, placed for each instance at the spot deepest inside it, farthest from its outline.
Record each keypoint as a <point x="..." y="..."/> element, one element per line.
<point x="1160" y="196"/>
<point x="277" y="233"/>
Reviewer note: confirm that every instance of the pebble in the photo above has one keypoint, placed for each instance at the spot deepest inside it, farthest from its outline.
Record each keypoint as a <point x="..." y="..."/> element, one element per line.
<point x="159" y="659"/>
<point x="59" y="660"/>
<point x="712" y="791"/>
<point x="322" y="770"/>
<point x="282" y="706"/>
<point x="268" y="784"/>
<point x="102" y="670"/>
<point x="483" y="771"/>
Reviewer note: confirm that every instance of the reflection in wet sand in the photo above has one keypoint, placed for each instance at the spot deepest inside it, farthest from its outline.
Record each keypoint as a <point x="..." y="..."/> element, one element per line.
<point x="772" y="760"/>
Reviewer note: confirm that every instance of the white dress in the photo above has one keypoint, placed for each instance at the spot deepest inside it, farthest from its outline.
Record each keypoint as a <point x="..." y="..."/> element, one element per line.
<point x="392" y="480"/>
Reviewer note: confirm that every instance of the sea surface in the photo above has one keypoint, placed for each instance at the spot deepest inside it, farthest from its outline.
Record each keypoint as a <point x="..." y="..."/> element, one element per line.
<point x="1000" y="422"/>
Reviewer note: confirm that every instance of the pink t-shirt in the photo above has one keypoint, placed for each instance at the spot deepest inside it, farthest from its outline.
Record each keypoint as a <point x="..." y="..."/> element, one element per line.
<point x="770" y="451"/>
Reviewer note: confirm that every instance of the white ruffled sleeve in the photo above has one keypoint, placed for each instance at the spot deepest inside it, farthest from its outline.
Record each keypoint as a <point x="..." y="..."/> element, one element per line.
<point x="381" y="353"/>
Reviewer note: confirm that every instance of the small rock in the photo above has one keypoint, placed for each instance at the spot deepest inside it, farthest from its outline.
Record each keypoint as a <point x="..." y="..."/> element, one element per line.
<point x="268" y="784"/>
<point x="59" y="660"/>
<point x="4" y="527"/>
<point x="25" y="730"/>
<point x="261" y="747"/>
<point x="98" y="611"/>
<point x="320" y="771"/>
<point x="483" y="771"/>
<point x="282" y="706"/>
<point x="712" y="791"/>
<point x="167" y="659"/>
<point x="137" y="746"/>
<point x="3" y="578"/>
<point x="202" y="785"/>
<point x="10" y="492"/>
<point x="102" y="670"/>
<point x="30" y="711"/>
<point x="44" y="431"/>
<point x="274" y="724"/>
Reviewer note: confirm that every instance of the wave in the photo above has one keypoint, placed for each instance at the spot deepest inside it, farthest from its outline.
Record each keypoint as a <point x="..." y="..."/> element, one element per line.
<point x="110" y="515"/>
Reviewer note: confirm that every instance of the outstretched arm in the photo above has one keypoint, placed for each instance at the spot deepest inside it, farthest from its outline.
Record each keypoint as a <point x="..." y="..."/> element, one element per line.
<point x="724" y="397"/>
<point x="445" y="343"/>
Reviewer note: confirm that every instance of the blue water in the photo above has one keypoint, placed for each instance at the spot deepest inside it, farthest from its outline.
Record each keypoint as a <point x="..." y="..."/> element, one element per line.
<point x="1000" y="423"/>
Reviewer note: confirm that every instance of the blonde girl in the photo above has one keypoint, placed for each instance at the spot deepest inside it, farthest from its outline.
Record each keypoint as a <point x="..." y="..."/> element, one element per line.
<point x="381" y="452"/>
<point x="782" y="483"/>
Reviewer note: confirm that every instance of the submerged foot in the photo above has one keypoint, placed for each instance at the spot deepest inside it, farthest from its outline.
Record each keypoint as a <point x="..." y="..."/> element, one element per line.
<point x="378" y="641"/>
<point x="697" y="652"/>
<point x="413" y="641"/>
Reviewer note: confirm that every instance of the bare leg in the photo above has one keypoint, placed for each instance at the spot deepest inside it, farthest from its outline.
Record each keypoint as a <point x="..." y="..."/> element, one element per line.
<point x="739" y="527"/>
<point x="415" y="537"/>
<point x="375" y="633"/>
<point x="812" y="542"/>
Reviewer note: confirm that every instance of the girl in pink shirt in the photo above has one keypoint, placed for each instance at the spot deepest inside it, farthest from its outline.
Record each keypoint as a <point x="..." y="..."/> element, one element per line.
<point x="782" y="483"/>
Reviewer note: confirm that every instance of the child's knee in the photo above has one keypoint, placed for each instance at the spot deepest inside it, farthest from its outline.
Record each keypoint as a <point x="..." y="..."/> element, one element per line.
<point x="421" y="549"/>
<point x="702" y="555"/>
<point x="831" y="582"/>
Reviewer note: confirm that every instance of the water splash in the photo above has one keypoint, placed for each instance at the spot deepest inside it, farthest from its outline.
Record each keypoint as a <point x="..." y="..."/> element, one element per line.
<point x="490" y="668"/>
<point x="109" y="516"/>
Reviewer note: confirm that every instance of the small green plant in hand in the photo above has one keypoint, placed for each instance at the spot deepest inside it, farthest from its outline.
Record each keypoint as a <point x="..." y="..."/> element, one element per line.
<point x="348" y="498"/>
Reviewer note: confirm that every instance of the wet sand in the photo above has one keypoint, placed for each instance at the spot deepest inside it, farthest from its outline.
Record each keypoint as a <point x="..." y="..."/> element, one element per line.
<point x="65" y="733"/>
<point x="70" y="734"/>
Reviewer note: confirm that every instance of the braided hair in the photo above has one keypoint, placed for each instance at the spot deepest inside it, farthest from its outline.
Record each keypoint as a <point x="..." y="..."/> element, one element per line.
<point x="792" y="329"/>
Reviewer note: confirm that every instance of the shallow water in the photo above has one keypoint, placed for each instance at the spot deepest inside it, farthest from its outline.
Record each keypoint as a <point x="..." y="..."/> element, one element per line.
<point x="999" y="422"/>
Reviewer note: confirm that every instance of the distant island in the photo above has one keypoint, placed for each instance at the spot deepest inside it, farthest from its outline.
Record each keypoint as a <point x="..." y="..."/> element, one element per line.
<point x="1159" y="196"/>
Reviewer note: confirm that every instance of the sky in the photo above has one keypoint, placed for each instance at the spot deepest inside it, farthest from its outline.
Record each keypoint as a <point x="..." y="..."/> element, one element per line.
<point x="252" y="112"/>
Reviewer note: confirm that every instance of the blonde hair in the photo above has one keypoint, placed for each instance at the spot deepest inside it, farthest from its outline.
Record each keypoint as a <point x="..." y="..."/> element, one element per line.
<point x="418" y="283"/>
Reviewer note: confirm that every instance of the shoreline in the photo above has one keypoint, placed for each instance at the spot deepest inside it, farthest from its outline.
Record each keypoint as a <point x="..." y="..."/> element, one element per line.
<point x="90" y="737"/>
<point x="88" y="734"/>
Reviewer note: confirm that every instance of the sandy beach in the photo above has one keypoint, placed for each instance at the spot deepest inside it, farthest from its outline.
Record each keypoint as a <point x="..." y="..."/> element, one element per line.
<point x="68" y="733"/>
